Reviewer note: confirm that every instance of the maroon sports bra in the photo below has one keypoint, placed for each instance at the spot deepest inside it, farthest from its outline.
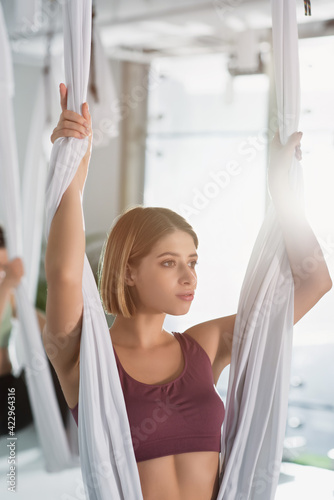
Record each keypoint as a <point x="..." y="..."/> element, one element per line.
<point x="184" y="415"/>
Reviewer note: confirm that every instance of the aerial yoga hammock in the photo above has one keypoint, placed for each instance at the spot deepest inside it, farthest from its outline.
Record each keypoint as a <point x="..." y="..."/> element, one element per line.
<point x="259" y="375"/>
<point x="257" y="396"/>
<point x="22" y="206"/>
<point x="24" y="243"/>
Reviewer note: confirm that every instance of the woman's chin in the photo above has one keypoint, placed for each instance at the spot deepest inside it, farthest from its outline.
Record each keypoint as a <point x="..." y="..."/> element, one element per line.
<point x="179" y="311"/>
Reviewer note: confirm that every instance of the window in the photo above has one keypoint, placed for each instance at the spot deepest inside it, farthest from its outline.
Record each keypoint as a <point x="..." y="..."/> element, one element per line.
<point x="206" y="159"/>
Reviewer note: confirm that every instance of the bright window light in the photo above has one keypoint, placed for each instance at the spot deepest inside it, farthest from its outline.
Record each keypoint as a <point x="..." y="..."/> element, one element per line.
<point x="206" y="159"/>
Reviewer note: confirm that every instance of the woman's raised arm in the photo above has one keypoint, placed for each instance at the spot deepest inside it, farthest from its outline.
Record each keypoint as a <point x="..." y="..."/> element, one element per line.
<point x="301" y="243"/>
<point x="64" y="262"/>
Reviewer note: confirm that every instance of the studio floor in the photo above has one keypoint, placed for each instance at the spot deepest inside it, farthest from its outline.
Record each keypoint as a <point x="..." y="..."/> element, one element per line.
<point x="32" y="482"/>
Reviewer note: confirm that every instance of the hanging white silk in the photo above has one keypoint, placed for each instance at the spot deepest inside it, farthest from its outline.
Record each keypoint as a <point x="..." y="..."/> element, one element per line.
<point x="33" y="191"/>
<point x="259" y="376"/>
<point x="105" y="111"/>
<point x="40" y="386"/>
<point x="108" y="463"/>
<point x="257" y="398"/>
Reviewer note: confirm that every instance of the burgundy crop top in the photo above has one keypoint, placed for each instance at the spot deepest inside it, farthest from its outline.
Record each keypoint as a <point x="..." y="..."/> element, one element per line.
<point x="180" y="416"/>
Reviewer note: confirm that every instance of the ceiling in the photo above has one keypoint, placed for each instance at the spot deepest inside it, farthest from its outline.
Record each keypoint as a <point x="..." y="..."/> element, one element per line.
<point x="142" y="29"/>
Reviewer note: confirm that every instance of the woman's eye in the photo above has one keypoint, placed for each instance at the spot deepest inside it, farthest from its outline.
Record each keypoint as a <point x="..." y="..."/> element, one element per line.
<point x="167" y="263"/>
<point x="172" y="263"/>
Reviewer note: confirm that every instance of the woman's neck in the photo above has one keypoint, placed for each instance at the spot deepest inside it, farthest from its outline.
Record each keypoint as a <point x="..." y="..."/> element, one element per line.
<point x="143" y="331"/>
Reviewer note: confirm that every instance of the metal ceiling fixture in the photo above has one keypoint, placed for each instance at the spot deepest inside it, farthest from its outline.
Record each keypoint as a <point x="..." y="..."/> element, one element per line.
<point x="307" y="6"/>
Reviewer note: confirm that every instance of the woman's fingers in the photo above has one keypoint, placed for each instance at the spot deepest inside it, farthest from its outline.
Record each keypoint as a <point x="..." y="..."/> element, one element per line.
<point x="294" y="139"/>
<point x="85" y="112"/>
<point x="66" y="133"/>
<point x="70" y="119"/>
<point x="73" y="117"/>
<point x="294" y="144"/>
<point x="282" y="155"/>
<point x="298" y="153"/>
<point x="82" y="129"/>
<point x="63" y="96"/>
<point x="71" y="124"/>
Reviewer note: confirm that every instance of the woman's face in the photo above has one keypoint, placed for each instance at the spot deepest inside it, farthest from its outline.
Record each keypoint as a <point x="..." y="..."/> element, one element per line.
<point x="165" y="280"/>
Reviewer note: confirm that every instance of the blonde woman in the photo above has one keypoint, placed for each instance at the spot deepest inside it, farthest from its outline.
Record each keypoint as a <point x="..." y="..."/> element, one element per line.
<point x="148" y="270"/>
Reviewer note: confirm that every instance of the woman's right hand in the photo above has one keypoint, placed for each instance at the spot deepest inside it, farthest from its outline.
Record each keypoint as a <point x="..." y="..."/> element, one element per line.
<point x="72" y="124"/>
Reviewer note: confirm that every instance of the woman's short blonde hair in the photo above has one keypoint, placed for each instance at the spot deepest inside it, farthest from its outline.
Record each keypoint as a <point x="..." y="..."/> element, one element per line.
<point x="131" y="238"/>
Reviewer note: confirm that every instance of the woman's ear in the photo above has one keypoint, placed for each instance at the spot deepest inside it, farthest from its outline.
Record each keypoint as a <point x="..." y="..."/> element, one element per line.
<point x="129" y="276"/>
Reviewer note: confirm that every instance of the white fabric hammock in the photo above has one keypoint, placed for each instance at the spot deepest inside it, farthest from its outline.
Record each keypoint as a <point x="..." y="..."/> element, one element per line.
<point x="40" y="386"/>
<point x="33" y="191"/>
<point x="108" y="462"/>
<point x="257" y="396"/>
<point x="105" y="112"/>
<point x="258" y="388"/>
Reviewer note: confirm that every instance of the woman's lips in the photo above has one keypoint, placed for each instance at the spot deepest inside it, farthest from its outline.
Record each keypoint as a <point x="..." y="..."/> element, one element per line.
<point x="187" y="297"/>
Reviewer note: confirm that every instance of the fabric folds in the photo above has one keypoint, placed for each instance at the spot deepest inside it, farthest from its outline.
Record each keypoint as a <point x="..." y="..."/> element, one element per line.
<point x="104" y="106"/>
<point x="108" y="463"/>
<point x="254" y="425"/>
<point x="40" y="386"/>
<point x="257" y="398"/>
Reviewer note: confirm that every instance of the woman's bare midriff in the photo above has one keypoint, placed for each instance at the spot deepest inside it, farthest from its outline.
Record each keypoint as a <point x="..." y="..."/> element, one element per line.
<point x="187" y="476"/>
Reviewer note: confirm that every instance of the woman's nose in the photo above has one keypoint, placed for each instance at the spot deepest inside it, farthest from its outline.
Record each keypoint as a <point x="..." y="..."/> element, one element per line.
<point x="189" y="276"/>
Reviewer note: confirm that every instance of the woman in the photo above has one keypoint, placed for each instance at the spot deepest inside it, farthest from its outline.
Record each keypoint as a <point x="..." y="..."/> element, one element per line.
<point x="148" y="271"/>
<point x="11" y="273"/>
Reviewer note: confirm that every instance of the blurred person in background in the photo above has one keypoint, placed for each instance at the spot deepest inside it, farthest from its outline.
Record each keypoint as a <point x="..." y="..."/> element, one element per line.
<point x="11" y="273"/>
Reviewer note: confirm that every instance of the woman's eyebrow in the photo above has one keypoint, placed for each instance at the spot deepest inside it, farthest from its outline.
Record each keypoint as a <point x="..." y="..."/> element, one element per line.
<point x="176" y="254"/>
